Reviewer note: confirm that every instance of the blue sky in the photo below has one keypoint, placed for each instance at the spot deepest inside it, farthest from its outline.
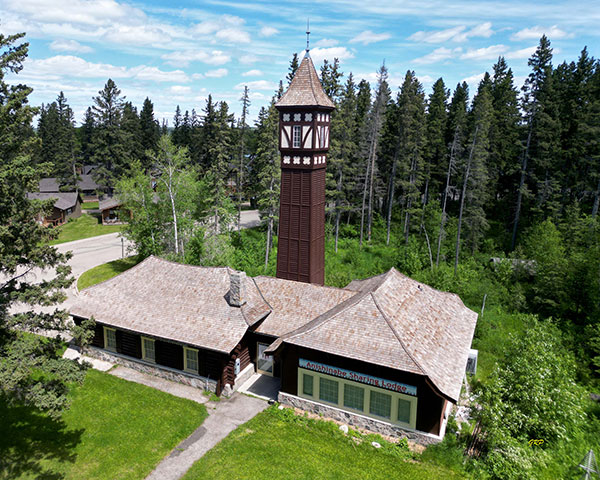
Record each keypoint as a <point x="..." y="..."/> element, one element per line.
<point x="178" y="52"/>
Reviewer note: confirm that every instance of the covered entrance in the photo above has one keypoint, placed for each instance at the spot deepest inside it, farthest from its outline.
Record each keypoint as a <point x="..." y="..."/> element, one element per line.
<point x="264" y="363"/>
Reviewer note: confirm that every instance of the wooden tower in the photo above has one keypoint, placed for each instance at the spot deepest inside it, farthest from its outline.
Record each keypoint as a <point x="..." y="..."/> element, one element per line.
<point x="304" y="117"/>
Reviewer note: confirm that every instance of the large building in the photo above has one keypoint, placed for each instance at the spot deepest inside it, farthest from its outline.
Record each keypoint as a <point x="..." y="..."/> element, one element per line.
<point x="386" y="353"/>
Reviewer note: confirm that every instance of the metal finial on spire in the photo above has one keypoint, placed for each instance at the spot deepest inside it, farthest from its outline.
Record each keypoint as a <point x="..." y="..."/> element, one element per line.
<point x="307" y="35"/>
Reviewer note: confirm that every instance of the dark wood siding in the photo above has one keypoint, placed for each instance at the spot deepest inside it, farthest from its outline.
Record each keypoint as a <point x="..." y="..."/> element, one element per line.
<point x="98" y="340"/>
<point x="430" y="404"/>
<point x="129" y="344"/>
<point x="169" y="354"/>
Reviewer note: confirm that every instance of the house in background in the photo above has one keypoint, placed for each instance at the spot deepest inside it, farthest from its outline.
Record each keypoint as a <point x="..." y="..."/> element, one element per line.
<point x="87" y="186"/>
<point x="66" y="205"/>
<point x="112" y="211"/>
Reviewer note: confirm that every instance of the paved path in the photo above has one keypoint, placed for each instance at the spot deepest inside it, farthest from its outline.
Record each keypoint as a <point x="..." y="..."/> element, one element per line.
<point x="226" y="416"/>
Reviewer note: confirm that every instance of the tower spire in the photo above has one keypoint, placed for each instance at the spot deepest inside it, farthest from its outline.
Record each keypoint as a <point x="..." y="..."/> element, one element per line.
<point x="307" y="36"/>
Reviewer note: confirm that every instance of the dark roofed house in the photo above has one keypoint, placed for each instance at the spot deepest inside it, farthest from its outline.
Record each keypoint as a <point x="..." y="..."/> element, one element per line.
<point x="112" y="211"/>
<point x="86" y="184"/>
<point x="66" y="205"/>
<point x="387" y="353"/>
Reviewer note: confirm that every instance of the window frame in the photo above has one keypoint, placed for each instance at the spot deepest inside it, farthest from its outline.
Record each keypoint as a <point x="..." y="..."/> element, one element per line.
<point x="144" y="350"/>
<point x="185" y="360"/>
<point x="297" y="129"/>
<point x="114" y="332"/>
<point x="367" y="389"/>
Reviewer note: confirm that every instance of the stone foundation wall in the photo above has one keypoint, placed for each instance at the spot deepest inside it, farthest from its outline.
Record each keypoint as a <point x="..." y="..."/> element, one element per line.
<point x="358" y="421"/>
<point x="156" y="370"/>
<point x="244" y="375"/>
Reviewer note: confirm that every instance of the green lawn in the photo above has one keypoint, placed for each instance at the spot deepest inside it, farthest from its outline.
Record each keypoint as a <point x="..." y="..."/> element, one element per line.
<point x="105" y="271"/>
<point x="275" y="444"/>
<point x="115" y="429"/>
<point x="90" y="205"/>
<point x="83" y="227"/>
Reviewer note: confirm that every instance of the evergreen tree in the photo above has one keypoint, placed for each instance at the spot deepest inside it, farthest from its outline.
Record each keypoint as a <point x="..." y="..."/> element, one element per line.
<point x="375" y="121"/>
<point x="32" y="372"/>
<point x="242" y="125"/>
<point x="86" y="137"/>
<point x="330" y="79"/>
<point x="132" y="137"/>
<point x="268" y="171"/>
<point x="149" y="131"/>
<point x="177" y="127"/>
<point x="504" y="143"/>
<point x="110" y="153"/>
<point x="294" y="64"/>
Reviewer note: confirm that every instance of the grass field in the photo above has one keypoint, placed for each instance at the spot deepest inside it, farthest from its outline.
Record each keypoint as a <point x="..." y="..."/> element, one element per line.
<point x="83" y="227"/>
<point x="277" y="444"/>
<point x="115" y="429"/>
<point x="90" y="205"/>
<point x="105" y="271"/>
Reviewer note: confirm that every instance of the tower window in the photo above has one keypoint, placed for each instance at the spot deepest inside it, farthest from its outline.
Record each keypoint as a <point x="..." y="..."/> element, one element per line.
<point x="296" y="138"/>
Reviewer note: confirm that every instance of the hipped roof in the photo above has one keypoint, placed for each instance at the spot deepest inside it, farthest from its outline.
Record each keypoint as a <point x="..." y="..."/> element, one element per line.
<point x="305" y="90"/>
<point x="183" y="303"/>
<point x="50" y="184"/>
<point x="62" y="200"/>
<point x="395" y="321"/>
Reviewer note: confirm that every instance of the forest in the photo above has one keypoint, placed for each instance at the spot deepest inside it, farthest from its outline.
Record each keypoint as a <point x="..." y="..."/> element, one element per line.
<point x="491" y="194"/>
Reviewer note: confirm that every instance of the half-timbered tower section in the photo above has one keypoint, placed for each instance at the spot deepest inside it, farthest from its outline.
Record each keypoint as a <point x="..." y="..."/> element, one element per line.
<point x="304" y="118"/>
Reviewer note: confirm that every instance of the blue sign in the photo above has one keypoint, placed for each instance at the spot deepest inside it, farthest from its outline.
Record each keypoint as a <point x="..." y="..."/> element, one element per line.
<point x="358" y="377"/>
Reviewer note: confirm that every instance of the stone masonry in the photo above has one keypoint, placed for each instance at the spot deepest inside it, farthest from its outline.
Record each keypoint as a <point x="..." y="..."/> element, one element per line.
<point x="358" y="421"/>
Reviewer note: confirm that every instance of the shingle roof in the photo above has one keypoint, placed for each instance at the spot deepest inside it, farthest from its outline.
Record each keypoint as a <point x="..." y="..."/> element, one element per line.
<point x="398" y="322"/>
<point x="110" y="202"/>
<point x="63" y="200"/>
<point x="295" y="303"/>
<point x="305" y="89"/>
<point x="50" y="184"/>
<point x="177" y="302"/>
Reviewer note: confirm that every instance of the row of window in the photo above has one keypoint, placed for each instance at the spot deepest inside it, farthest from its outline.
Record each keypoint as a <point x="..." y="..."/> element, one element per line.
<point x="190" y="355"/>
<point x="297" y="136"/>
<point x="365" y="399"/>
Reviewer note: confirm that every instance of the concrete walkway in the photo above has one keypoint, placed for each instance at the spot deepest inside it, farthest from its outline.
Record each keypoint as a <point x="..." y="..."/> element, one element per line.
<point x="226" y="416"/>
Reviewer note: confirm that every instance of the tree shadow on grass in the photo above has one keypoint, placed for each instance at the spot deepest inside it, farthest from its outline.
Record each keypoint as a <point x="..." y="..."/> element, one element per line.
<point x="34" y="445"/>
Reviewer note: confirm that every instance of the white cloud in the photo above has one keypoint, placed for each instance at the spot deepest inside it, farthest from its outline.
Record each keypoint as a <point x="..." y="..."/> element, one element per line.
<point x="154" y="74"/>
<point x="319" y="54"/>
<point x="368" y="36"/>
<point x="535" y="33"/>
<point x="455" y="34"/>
<point x="82" y="12"/>
<point x="257" y="85"/>
<point x="69" y="46"/>
<point x="61" y="66"/>
<point x="474" y="79"/>
<point x="268" y="31"/>
<point x="438" y="55"/>
<point x="218" y="73"/>
<point x="136" y="35"/>
<point x="487" y="53"/>
<point x="252" y="73"/>
<point x="425" y="79"/>
<point x="326" y="42"/>
<point x="183" y="58"/>
<point x="180" y="89"/>
<point x="197" y="76"/>
<point x="205" y="28"/>
<point x="233" y="35"/>
<point x="523" y="53"/>
<point x="248" y="59"/>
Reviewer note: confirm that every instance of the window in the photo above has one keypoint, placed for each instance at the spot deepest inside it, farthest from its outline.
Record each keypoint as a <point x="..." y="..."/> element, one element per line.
<point x="354" y="397"/>
<point x="403" y="411"/>
<point x="110" y="339"/>
<point x="190" y="360"/>
<point x="148" y="352"/>
<point x="307" y="385"/>
<point x="381" y="404"/>
<point x="297" y="136"/>
<point x="328" y="390"/>
<point x="322" y="137"/>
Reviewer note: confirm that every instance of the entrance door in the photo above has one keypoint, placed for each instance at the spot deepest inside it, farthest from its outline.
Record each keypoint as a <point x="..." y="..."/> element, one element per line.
<point x="264" y="363"/>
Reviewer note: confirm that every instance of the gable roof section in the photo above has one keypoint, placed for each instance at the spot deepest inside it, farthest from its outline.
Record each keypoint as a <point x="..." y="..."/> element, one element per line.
<point x="62" y="200"/>
<point x="50" y="184"/>
<point x="110" y="202"/>
<point x="294" y="304"/>
<point x="398" y="322"/>
<point x="305" y="88"/>
<point x="176" y="302"/>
